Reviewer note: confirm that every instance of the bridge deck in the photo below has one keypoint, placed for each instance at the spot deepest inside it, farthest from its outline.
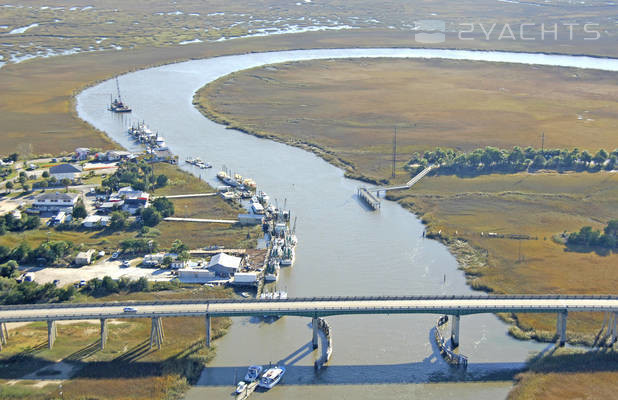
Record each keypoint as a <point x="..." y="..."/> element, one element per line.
<point x="318" y="307"/>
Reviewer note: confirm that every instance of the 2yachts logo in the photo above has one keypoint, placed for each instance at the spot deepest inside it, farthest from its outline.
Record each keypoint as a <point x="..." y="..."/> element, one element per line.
<point x="434" y="31"/>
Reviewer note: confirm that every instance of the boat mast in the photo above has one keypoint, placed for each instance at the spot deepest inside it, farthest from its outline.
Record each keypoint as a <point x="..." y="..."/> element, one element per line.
<point x="118" y="89"/>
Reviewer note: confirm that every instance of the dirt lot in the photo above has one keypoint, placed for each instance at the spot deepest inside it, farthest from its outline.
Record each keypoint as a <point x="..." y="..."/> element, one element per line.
<point x="112" y="268"/>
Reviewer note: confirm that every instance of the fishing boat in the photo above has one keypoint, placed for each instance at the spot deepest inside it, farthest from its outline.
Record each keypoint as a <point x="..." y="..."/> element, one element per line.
<point x="288" y="255"/>
<point x="271" y="377"/>
<point x="240" y="388"/>
<point x="116" y="105"/>
<point x="272" y="270"/>
<point x="253" y="373"/>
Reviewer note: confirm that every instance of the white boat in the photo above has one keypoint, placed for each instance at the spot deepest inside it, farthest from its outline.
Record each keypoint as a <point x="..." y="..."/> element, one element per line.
<point x="289" y="256"/>
<point x="240" y="388"/>
<point x="245" y="294"/>
<point x="253" y="373"/>
<point x="271" y="377"/>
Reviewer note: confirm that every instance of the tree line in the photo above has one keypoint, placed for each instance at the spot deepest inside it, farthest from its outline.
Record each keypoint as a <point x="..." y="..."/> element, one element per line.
<point x="8" y="223"/>
<point x="492" y="159"/>
<point x="49" y="252"/>
<point x="588" y="237"/>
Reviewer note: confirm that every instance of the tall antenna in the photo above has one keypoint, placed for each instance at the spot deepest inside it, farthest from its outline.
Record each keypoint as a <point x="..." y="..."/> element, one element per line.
<point x="394" y="151"/>
<point x="542" y="142"/>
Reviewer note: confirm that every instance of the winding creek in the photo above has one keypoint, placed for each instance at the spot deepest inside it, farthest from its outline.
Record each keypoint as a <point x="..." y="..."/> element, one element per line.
<point x="343" y="250"/>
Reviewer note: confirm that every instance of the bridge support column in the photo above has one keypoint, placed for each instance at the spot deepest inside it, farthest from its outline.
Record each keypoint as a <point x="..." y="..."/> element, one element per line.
<point x="208" y="330"/>
<point x="156" y="333"/>
<point x="455" y="330"/>
<point x="314" y="340"/>
<point x="613" y="334"/>
<point x="51" y="333"/>
<point x="4" y="334"/>
<point x="561" y="324"/>
<point x="103" y="333"/>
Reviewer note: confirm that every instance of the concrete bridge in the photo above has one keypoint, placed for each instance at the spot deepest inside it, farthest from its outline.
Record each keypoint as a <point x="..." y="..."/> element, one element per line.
<point x="456" y="306"/>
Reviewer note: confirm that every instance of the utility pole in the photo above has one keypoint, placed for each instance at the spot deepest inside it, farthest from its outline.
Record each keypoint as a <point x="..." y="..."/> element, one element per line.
<point x="542" y="142"/>
<point x="394" y="152"/>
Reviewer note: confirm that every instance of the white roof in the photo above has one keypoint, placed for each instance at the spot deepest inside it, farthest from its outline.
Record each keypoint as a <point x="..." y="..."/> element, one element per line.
<point x="225" y="260"/>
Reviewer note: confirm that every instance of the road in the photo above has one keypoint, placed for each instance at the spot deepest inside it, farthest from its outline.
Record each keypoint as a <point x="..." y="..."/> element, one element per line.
<point x="319" y="307"/>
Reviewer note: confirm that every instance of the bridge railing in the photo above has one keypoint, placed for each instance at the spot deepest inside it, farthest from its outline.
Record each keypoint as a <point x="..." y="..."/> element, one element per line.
<point x="307" y="299"/>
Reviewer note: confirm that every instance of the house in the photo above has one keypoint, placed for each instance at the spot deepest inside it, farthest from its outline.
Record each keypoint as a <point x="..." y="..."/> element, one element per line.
<point x="178" y="264"/>
<point x="65" y="171"/>
<point x="84" y="257"/>
<point x="81" y="153"/>
<point x="94" y="221"/>
<point x="56" y="202"/>
<point x="133" y="203"/>
<point x="224" y="264"/>
<point x="117" y="155"/>
<point x="153" y="260"/>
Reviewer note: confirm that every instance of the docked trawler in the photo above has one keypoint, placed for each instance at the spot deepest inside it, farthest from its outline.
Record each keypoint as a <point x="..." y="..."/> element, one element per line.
<point x="117" y="105"/>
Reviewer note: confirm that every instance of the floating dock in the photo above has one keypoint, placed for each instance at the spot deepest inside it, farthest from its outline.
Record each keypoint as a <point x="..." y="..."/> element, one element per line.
<point x="369" y="198"/>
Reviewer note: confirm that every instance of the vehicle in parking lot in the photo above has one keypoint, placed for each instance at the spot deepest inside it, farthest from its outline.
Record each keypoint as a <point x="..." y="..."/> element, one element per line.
<point x="115" y="255"/>
<point x="82" y="283"/>
<point x="56" y="282"/>
<point x="129" y="310"/>
<point x="126" y="263"/>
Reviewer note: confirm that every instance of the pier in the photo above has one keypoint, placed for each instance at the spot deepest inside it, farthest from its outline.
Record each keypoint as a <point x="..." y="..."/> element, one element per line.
<point x="408" y="184"/>
<point x="369" y="198"/>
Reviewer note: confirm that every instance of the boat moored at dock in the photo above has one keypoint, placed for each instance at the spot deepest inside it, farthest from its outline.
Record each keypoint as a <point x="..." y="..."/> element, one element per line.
<point x="271" y="377"/>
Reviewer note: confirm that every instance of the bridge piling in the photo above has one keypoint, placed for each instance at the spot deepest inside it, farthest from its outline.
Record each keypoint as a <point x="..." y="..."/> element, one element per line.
<point x="103" y="333"/>
<point x="4" y="334"/>
<point x="561" y="324"/>
<point x="208" y="330"/>
<point x="51" y="333"/>
<point x="613" y="334"/>
<point x="314" y="325"/>
<point x="455" y="331"/>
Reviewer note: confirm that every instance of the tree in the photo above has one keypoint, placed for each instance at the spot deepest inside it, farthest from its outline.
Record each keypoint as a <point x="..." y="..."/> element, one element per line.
<point x="612" y="228"/>
<point x="66" y="182"/>
<point x="25" y="187"/>
<point x="80" y="211"/>
<point x="164" y="206"/>
<point x="45" y="174"/>
<point x="538" y="162"/>
<point x="161" y="180"/>
<point x="151" y="217"/>
<point x="117" y="221"/>
<point x="14" y="157"/>
<point x="9" y="185"/>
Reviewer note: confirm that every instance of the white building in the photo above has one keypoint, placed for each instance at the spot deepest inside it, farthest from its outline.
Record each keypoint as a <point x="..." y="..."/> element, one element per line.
<point x="56" y="202"/>
<point x="84" y="258"/>
<point x="63" y="171"/>
<point x="245" y="279"/>
<point x="190" y="275"/>
<point x="94" y="221"/>
<point x="224" y="264"/>
<point x="81" y="153"/>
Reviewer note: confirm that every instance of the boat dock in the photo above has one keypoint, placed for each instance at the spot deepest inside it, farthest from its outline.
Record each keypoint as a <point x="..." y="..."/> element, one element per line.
<point x="369" y="198"/>
<point x="213" y="221"/>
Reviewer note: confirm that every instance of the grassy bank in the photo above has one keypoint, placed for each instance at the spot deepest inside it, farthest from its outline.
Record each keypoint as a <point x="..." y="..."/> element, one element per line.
<point x="431" y="103"/>
<point x="126" y="368"/>
<point x="538" y="205"/>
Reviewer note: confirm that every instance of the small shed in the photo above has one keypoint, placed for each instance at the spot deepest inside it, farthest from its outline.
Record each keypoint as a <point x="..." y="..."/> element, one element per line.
<point x="84" y="257"/>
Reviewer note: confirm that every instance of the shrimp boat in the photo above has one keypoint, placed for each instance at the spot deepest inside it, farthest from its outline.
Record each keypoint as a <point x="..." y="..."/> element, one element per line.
<point x="272" y="270"/>
<point x="116" y="105"/>
<point x="271" y="377"/>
